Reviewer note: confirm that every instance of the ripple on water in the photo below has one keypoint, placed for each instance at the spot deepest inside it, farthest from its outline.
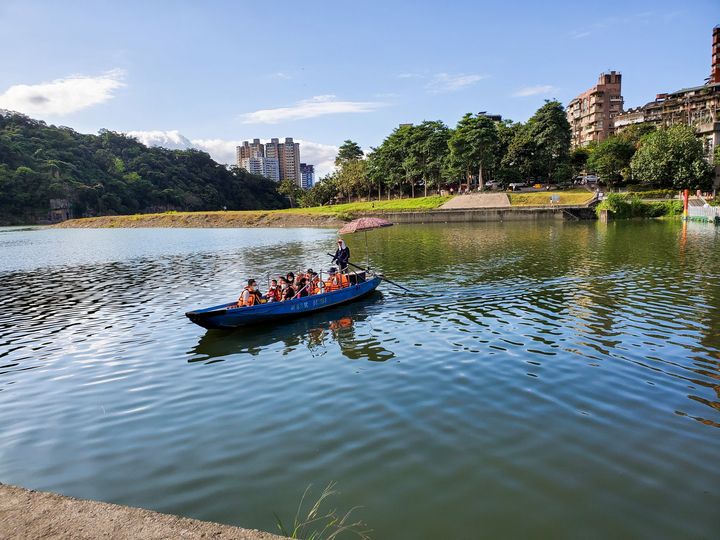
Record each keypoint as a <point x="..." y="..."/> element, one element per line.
<point x="532" y="363"/>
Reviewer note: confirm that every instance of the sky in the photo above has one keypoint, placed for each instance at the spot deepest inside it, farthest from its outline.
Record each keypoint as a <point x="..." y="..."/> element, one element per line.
<point x="211" y="74"/>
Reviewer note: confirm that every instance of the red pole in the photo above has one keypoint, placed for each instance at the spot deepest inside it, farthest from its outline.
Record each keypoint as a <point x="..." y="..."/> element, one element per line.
<point x="686" y="197"/>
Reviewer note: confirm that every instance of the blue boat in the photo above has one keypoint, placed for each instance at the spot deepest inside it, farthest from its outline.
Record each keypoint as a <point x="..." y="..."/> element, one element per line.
<point x="227" y="316"/>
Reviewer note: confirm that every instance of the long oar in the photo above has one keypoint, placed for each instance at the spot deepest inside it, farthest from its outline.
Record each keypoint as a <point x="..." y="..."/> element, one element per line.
<point x="381" y="276"/>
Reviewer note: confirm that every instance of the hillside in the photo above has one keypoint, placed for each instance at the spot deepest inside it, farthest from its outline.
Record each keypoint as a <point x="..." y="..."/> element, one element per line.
<point x="111" y="173"/>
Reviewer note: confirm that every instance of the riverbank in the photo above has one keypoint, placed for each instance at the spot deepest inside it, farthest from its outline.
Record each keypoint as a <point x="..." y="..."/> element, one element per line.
<point x="29" y="514"/>
<point x="229" y="219"/>
<point x="418" y="210"/>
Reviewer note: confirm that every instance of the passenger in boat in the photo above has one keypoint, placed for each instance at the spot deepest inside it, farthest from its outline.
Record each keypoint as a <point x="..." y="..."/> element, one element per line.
<point x="273" y="294"/>
<point x="332" y="283"/>
<point x="250" y="296"/>
<point x="287" y="292"/>
<point x="315" y="283"/>
<point x="342" y="255"/>
<point x="302" y="287"/>
<point x="290" y="278"/>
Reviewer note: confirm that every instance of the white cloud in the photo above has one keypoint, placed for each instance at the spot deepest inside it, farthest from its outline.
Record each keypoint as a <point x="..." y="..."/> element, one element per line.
<point x="281" y="75"/>
<point x="173" y="139"/>
<point x="62" y="96"/>
<point x="444" y="82"/>
<point x="535" y="90"/>
<point x="579" y="34"/>
<point x="320" y="155"/>
<point x="310" y="108"/>
<point x="223" y="150"/>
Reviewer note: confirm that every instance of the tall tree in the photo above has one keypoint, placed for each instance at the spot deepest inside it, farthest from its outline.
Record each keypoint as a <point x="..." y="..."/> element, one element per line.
<point x="610" y="159"/>
<point x="348" y="151"/>
<point x="550" y="129"/>
<point x="473" y="144"/>
<point x="672" y="158"/>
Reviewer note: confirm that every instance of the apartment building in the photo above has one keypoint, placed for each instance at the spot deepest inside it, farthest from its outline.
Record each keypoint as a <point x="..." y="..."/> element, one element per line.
<point x="307" y="176"/>
<point x="250" y="149"/>
<point x="289" y="158"/>
<point x="591" y="113"/>
<point x="696" y="106"/>
<point x="278" y="161"/>
<point x="262" y="166"/>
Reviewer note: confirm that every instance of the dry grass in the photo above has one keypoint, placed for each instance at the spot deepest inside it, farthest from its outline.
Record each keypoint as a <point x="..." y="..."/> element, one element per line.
<point x="542" y="198"/>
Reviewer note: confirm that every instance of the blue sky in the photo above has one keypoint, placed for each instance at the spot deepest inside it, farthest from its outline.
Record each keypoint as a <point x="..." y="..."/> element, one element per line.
<point x="210" y="74"/>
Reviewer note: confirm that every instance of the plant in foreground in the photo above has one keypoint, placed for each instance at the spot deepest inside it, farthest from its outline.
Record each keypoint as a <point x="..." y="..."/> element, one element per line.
<point x="315" y="523"/>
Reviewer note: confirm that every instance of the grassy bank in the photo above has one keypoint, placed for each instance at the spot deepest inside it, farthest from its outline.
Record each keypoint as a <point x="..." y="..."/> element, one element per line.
<point x="542" y="198"/>
<point x="624" y="206"/>
<point x="393" y="205"/>
<point x="320" y="216"/>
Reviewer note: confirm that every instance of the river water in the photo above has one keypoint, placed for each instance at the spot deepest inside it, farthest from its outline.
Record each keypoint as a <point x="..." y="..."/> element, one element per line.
<point x="545" y="380"/>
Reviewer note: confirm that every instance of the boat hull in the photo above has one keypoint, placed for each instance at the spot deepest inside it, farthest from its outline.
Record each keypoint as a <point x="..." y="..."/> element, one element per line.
<point x="226" y="316"/>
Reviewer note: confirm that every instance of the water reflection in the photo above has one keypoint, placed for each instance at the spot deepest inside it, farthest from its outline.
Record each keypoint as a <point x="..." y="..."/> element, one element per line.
<point x="318" y="332"/>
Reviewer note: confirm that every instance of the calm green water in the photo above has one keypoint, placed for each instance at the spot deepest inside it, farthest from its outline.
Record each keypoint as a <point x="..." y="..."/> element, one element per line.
<point x="545" y="380"/>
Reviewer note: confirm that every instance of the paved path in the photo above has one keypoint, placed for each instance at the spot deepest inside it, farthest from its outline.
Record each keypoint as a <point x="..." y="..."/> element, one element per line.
<point x="26" y="514"/>
<point x="477" y="200"/>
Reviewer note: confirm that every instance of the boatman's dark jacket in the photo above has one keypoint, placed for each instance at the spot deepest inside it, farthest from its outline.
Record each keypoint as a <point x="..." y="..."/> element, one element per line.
<point x="342" y="256"/>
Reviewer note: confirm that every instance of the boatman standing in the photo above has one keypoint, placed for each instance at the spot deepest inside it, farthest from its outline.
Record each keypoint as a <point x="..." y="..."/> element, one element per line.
<point x="342" y="255"/>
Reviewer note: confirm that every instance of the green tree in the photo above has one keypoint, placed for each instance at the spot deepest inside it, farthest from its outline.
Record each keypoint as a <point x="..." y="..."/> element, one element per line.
<point x="111" y="173"/>
<point x="521" y="157"/>
<point x="611" y="159"/>
<point x="291" y="190"/>
<point x="550" y="130"/>
<point x="671" y="158"/>
<point x="473" y="144"/>
<point x="323" y="192"/>
<point x="635" y="132"/>
<point x="579" y="158"/>
<point x="348" y="151"/>
<point x="388" y="161"/>
<point x="426" y="147"/>
<point x="351" y="178"/>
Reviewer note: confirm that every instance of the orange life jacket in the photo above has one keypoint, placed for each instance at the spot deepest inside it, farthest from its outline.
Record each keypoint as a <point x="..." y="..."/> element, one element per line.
<point x="275" y="294"/>
<point x="330" y="285"/>
<point x="253" y="298"/>
<point x="344" y="280"/>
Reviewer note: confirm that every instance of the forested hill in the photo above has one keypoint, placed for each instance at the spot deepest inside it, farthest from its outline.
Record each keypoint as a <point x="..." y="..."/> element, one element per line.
<point x="111" y="173"/>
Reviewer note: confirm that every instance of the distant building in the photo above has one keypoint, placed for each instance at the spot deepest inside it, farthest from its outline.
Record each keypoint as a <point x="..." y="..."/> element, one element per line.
<point x="591" y="114"/>
<point x="262" y="166"/>
<point x="715" y="66"/>
<point x="307" y="175"/>
<point x="278" y="161"/>
<point x="697" y="106"/>
<point x="493" y="117"/>
<point x="250" y="149"/>
<point x="289" y="157"/>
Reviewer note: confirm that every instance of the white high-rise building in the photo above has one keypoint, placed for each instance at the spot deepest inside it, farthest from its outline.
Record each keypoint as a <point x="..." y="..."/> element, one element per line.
<point x="262" y="166"/>
<point x="271" y="157"/>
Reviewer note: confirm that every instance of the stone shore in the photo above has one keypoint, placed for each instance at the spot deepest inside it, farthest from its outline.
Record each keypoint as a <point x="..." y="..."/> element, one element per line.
<point x="36" y="515"/>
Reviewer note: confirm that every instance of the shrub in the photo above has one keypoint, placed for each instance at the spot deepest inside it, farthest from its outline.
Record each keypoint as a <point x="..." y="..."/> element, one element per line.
<point x="626" y="206"/>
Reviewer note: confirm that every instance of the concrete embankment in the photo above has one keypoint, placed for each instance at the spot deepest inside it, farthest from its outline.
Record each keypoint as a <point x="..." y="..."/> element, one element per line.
<point x="27" y="514"/>
<point x="492" y="214"/>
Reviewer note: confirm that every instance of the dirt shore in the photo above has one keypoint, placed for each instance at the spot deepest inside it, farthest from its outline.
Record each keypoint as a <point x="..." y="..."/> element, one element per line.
<point x="206" y="220"/>
<point x="27" y="514"/>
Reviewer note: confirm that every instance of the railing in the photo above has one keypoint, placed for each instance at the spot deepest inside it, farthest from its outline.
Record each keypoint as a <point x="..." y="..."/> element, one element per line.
<point x="710" y="213"/>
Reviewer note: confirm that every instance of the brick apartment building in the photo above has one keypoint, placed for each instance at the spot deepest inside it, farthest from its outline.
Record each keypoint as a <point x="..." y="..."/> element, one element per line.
<point x="591" y="113"/>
